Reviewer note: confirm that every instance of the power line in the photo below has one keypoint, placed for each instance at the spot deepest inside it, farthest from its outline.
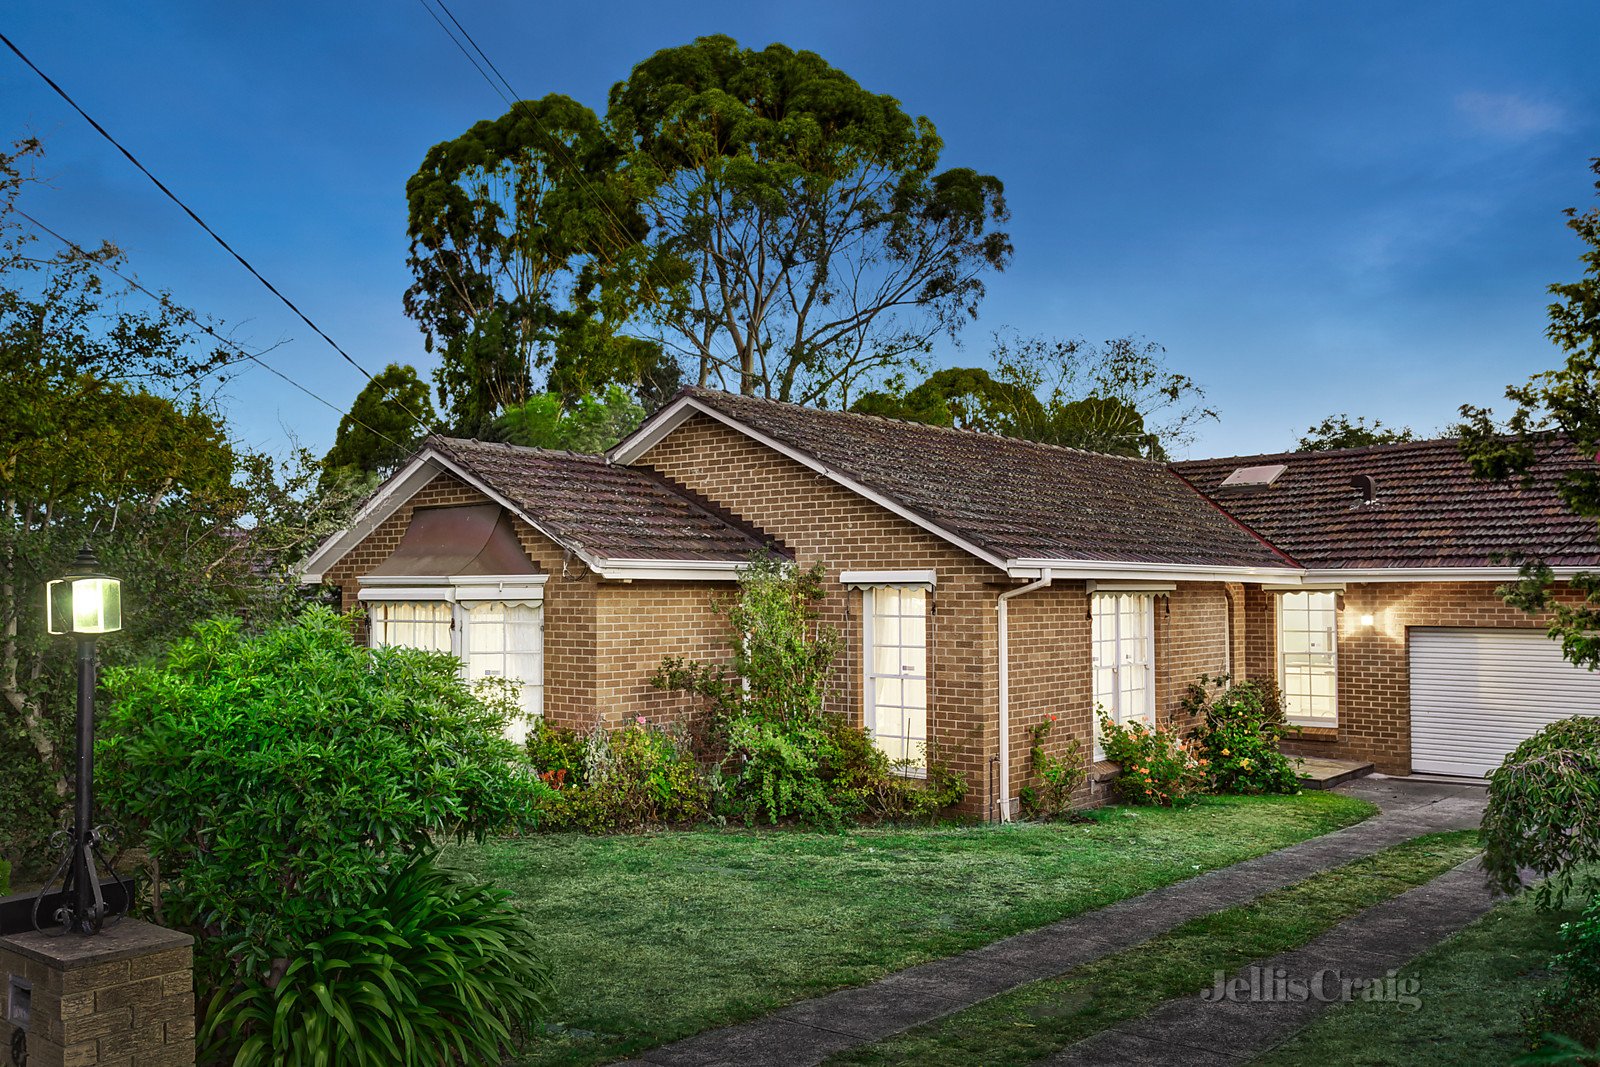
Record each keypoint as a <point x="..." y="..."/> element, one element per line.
<point x="617" y="228"/>
<point x="206" y="327"/>
<point x="101" y="130"/>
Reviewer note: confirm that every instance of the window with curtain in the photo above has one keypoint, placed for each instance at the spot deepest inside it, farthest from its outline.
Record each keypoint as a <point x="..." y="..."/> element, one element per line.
<point x="507" y="641"/>
<point x="1122" y="645"/>
<point x="421" y="624"/>
<point x="1308" y="670"/>
<point x="896" y="638"/>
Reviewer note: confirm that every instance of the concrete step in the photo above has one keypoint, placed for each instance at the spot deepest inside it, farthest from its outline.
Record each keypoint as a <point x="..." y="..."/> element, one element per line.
<point x="1317" y="773"/>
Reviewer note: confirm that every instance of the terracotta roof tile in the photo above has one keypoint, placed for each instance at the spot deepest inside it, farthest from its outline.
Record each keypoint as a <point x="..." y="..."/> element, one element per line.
<point x="608" y="511"/>
<point x="1014" y="499"/>
<point x="1429" y="510"/>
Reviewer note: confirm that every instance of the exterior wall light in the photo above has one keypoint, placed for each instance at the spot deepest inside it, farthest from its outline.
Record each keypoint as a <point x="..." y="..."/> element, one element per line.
<point x="1366" y="620"/>
<point x="85" y="604"/>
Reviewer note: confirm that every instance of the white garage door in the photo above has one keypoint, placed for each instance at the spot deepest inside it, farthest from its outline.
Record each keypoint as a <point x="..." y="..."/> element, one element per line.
<point x="1477" y="694"/>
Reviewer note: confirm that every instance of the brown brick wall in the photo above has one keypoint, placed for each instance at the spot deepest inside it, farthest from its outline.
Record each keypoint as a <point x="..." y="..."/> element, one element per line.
<point x="1374" y="688"/>
<point x="821" y="521"/>
<point x="1050" y="630"/>
<point x="601" y="639"/>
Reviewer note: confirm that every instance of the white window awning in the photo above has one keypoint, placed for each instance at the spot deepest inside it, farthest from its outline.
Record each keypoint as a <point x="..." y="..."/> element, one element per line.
<point x="869" y="579"/>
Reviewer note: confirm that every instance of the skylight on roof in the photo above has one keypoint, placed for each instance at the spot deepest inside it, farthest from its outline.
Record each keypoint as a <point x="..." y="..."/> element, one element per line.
<point x="1253" y="477"/>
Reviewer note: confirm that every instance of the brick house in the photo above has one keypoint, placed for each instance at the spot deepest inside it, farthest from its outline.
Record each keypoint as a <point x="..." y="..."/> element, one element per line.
<point x="979" y="584"/>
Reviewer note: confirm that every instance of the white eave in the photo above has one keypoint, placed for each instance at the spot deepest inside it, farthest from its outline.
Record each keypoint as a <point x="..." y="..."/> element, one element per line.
<point x="1326" y="575"/>
<point x="1111" y="570"/>
<point x="682" y="570"/>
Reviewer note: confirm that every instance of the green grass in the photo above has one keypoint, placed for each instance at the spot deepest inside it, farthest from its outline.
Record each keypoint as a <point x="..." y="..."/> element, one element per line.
<point x="1475" y="987"/>
<point x="658" y="936"/>
<point x="1036" y="1020"/>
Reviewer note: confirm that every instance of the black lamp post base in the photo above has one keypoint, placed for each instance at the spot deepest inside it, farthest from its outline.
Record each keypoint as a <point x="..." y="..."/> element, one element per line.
<point x="81" y="905"/>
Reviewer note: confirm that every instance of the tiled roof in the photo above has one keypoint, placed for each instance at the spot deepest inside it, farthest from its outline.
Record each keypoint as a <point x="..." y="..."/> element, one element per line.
<point x="1013" y="499"/>
<point x="608" y="511"/>
<point x="1429" y="510"/>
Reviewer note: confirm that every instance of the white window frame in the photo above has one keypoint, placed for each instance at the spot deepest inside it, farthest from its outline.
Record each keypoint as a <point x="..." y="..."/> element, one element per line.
<point x="1123" y="649"/>
<point x="462" y="594"/>
<point x="1329" y="659"/>
<point x="870" y="677"/>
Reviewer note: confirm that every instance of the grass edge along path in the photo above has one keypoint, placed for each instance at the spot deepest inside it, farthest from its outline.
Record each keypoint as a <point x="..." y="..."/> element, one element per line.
<point x="1041" y="1018"/>
<point x="1474" y="989"/>
<point x="657" y="937"/>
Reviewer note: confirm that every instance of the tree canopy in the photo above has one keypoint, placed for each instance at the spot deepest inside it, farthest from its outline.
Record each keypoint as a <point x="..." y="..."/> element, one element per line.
<point x="1337" y="431"/>
<point x="1566" y="400"/>
<point x="592" y="424"/>
<point x="1119" y="397"/>
<point x="756" y="218"/>
<point x="390" y="415"/>
<point x="106" y="436"/>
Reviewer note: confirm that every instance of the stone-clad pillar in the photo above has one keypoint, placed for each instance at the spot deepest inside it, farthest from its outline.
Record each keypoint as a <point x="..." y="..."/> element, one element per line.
<point x="122" y="998"/>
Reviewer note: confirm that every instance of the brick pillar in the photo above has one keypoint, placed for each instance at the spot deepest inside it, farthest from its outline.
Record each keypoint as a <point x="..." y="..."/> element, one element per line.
<point x="122" y="998"/>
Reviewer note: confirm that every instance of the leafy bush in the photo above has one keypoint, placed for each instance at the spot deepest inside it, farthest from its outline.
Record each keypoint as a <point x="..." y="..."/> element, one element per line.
<point x="556" y="753"/>
<point x="1239" y="734"/>
<point x="5" y="877"/>
<point x="1156" y="766"/>
<point x="775" y="754"/>
<point x="1570" y="1006"/>
<point x="1544" y="812"/>
<point x="1058" y="777"/>
<point x="278" y="781"/>
<point x="435" y="970"/>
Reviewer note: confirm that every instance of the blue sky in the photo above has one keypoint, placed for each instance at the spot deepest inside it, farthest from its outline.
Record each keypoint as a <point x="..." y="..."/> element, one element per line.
<point x="1315" y="207"/>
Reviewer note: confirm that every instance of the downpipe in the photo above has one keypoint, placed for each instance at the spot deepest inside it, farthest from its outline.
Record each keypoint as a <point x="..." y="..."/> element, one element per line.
<point x="1003" y="615"/>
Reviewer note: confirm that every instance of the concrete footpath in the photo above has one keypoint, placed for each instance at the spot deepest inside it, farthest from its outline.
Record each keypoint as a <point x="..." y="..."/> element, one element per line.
<point x="1279" y="997"/>
<point x="810" y="1031"/>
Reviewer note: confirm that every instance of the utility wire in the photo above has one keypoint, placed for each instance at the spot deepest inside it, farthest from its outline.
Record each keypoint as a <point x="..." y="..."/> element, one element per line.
<point x="513" y="101"/>
<point x="101" y="130"/>
<point x="227" y="341"/>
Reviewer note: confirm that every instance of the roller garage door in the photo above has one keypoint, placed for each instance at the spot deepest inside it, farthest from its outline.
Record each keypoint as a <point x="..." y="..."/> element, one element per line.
<point x="1476" y="694"/>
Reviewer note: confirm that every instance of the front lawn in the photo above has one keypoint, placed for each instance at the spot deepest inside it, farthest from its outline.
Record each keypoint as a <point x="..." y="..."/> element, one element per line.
<point x="1475" y="988"/>
<point x="1037" y="1019"/>
<point x="658" y="936"/>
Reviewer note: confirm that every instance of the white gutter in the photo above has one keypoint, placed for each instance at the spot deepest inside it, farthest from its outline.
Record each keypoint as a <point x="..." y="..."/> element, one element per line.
<point x="1005" y="687"/>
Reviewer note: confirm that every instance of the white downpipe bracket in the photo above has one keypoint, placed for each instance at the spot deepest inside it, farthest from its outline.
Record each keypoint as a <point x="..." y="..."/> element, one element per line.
<point x="1005" y="686"/>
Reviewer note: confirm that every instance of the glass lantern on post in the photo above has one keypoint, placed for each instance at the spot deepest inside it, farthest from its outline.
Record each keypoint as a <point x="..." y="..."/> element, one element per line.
<point x="85" y="604"/>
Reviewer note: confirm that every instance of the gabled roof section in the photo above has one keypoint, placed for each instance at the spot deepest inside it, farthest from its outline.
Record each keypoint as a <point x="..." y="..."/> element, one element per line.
<point x="618" y="521"/>
<point x="1427" y="509"/>
<point x="603" y="510"/>
<point x="1010" y="502"/>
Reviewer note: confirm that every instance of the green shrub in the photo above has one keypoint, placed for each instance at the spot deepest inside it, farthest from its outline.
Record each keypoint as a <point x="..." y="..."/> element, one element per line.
<point x="278" y="780"/>
<point x="1240" y="732"/>
<point x="1055" y="778"/>
<point x="556" y="754"/>
<point x="436" y="969"/>
<point x="5" y="877"/>
<point x="1570" y="1006"/>
<point x="1544" y="812"/>
<point x="1156" y="766"/>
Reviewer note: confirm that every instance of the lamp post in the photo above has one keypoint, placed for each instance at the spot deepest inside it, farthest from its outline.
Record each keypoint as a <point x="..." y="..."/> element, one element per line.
<point x="85" y="604"/>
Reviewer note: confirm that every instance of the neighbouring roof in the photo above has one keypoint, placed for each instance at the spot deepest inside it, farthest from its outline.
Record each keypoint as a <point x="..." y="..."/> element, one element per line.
<point x="606" y="511"/>
<point x="1013" y="499"/>
<point x="1428" y="510"/>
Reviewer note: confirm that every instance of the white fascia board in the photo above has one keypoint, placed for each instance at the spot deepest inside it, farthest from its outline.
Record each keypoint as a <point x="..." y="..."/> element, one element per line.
<point x="1310" y="585"/>
<point x="426" y="589"/>
<point x="1112" y="570"/>
<point x="384" y="503"/>
<point x="1432" y="574"/>
<point x="861" y="579"/>
<point x="670" y="418"/>
<point x="668" y="570"/>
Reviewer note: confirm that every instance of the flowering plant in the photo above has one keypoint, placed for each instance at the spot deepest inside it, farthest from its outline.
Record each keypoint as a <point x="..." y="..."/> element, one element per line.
<point x="1157" y="767"/>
